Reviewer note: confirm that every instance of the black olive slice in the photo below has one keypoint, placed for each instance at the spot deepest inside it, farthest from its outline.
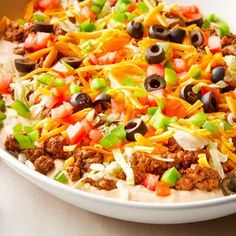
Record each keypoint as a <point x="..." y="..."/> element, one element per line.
<point x="80" y="101"/>
<point x="74" y="62"/>
<point x="209" y="102"/>
<point x="158" y="32"/>
<point x="188" y="95"/>
<point x="24" y="65"/>
<point x="217" y="74"/>
<point x="134" y="126"/>
<point x="43" y="27"/>
<point x="177" y="35"/>
<point x="104" y="100"/>
<point x="154" y="82"/>
<point x="198" y="22"/>
<point x="228" y="185"/>
<point x="155" y="54"/>
<point x="197" y="38"/>
<point x="135" y="29"/>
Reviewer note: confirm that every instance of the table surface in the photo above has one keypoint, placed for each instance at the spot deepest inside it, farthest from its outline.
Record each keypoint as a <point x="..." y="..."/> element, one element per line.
<point x="26" y="210"/>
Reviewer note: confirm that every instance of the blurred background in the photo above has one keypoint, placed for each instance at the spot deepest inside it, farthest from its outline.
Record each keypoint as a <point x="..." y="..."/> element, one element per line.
<point x="12" y="8"/>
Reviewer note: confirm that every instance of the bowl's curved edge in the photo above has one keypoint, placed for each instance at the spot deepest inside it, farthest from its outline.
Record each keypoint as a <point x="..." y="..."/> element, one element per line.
<point x="164" y="213"/>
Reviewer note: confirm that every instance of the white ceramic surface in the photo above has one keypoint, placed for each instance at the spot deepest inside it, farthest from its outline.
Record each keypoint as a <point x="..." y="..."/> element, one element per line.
<point x="134" y="211"/>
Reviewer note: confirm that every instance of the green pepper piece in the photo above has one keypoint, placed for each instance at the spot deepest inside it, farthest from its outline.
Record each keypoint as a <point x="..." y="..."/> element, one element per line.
<point x="198" y="119"/>
<point x="109" y="140"/>
<point x="120" y="17"/>
<point x="210" y="126"/>
<point x="171" y="176"/>
<point x="2" y="116"/>
<point x="130" y="16"/>
<point x="1" y="124"/>
<point x="197" y="74"/>
<point x="98" y="83"/>
<point x="99" y="3"/>
<point x="152" y="110"/>
<point x="59" y="82"/>
<point x="24" y="141"/>
<point x="170" y="77"/>
<point x="119" y="132"/>
<point x="95" y="8"/>
<point x="213" y="18"/>
<point x="224" y="29"/>
<point x="122" y="6"/>
<point x="45" y="79"/>
<point x="160" y="121"/>
<point x="74" y="88"/>
<point x="21" y="108"/>
<point x="61" y="177"/>
<point x="21" y="21"/>
<point x="87" y="26"/>
<point x="34" y="135"/>
<point x="143" y="7"/>
<point x="2" y="105"/>
<point x="225" y="125"/>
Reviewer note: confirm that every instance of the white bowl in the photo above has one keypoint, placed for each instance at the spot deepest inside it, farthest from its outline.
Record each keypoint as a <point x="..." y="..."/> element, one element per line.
<point x="162" y="213"/>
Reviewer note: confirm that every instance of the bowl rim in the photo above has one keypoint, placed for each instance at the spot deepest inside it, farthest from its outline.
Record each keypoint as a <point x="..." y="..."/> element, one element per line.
<point x="13" y="162"/>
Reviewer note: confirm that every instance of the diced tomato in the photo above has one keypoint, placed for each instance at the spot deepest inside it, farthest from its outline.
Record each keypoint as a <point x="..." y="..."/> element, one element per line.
<point x="5" y="81"/>
<point x="156" y="69"/>
<point x="174" y="108"/>
<point x="87" y="125"/>
<point x="214" y="44"/>
<point x="61" y="93"/>
<point x="86" y="14"/>
<point x="179" y="65"/>
<point x="150" y="181"/>
<point x="215" y="91"/>
<point x="38" y="41"/>
<point x="112" y="2"/>
<point x="162" y="189"/>
<point x="190" y="12"/>
<point x="62" y="111"/>
<point x="95" y="136"/>
<point x="132" y="7"/>
<point x="117" y="105"/>
<point x="76" y="133"/>
<point x="108" y="58"/>
<point x="93" y="59"/>
<point x="48" y="5"/>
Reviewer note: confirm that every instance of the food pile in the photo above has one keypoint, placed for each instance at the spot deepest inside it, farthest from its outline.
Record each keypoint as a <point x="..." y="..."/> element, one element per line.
<point x="123" y="93"/>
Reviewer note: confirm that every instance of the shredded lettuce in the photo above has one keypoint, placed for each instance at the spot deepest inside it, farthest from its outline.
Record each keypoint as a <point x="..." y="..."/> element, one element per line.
<point x="188" y="141"/>
<point x="216" y="158"/>
<point x="124" y="165"/>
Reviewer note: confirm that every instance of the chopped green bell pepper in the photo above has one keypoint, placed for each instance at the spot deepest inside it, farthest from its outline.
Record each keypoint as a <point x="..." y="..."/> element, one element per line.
<point x="74" y="88"/>
<point x="142" y="7"/>
<point x="170" y="77"/>
<point x="87" y="26"/>
<point x="61" y="177"/>
<point x="225" y="125"/>
<point x="171" y="176"/>
<point x="45" y="79"/>
<point x="160" y="121"/>
<point x="211" y="126"/>
<point x="98" y="83"/>
<point x="224" y="29"/>
<point x="198" y="119"/>
<point x="21" y="108"/>
<point x="152" y="110"/>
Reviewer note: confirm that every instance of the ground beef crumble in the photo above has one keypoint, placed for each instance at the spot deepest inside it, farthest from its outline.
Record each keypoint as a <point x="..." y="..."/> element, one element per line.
<point x="83" y="160"/>
<point x="54" y="147"/>
<point x="200" y="177"/>
<point x="12" y="145"/>
<point x="229" y="45"/>
<point x="103" y="183"/>
<point x="33" y="154"/>
<point x="44" y="164"/>
<point x="143" y="163"/>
